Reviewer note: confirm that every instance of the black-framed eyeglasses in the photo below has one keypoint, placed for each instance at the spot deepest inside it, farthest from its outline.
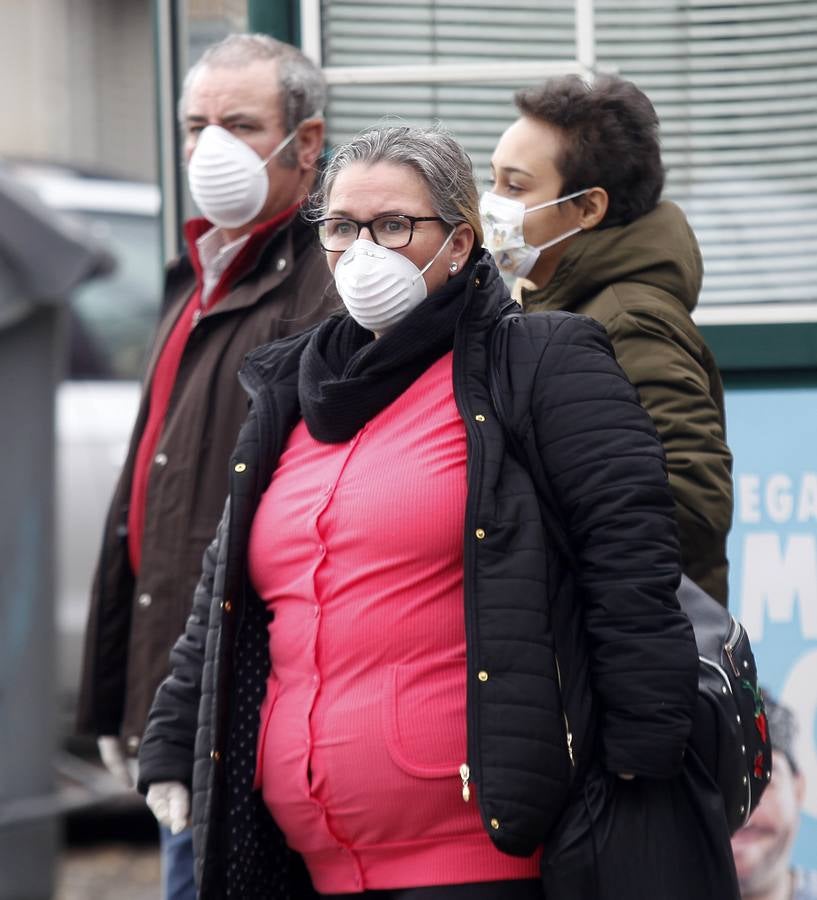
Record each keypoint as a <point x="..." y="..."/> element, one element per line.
<point x="337" y="234"/>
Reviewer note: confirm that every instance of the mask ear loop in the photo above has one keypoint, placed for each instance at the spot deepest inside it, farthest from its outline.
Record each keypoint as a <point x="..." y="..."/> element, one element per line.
<point x="556" y="201"/>
<point x="318" y="114"/>
<point x="430" y="263"/>
<point x="557" y="240"/>
<point x="279" y="147"/>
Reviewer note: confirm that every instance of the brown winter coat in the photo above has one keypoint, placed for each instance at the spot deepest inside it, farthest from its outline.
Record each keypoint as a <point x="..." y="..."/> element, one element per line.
<point x="133" y="623"/>
<point x="641" y="281"/>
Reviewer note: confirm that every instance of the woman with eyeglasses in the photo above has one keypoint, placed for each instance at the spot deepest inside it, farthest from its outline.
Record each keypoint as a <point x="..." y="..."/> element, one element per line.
<point x="390" y="684"/>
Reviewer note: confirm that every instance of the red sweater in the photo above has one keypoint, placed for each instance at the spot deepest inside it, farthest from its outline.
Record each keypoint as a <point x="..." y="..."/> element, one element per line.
<point x="357" y="550"/>
<point x="167" y="365"/>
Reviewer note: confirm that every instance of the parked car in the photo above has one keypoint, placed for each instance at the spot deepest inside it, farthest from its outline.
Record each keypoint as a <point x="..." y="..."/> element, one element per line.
<point x="110" y="327"/>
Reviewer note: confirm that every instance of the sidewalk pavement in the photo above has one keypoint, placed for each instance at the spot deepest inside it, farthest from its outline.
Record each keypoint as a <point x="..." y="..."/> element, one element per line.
<point x="109" y="852"/>
<point x="109" y="871"/>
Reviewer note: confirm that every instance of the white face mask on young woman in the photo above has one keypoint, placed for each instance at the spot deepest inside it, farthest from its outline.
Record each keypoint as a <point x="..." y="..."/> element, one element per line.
<point x="379" y="286"/>
<point x="503" y="223"/>
<point x="228" y="180"/>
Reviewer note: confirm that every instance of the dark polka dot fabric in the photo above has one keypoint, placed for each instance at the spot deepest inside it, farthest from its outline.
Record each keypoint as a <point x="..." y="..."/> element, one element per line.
<point x="259" y="866"/>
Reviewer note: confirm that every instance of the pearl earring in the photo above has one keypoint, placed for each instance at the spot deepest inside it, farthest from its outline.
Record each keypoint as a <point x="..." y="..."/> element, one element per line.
<point x="453" y="267"/>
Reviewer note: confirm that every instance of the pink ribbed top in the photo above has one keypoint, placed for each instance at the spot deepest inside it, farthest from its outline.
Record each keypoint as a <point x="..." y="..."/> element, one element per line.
<point x="357" y="550"/>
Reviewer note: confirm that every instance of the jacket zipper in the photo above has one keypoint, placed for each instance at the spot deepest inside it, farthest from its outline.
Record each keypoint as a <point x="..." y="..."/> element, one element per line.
<point x="493" y="387"/>
<point x="568" y="732"/>
<point x="465" y="775"/>
<point x="729" y="647"/>
<point x="473" y="442"/>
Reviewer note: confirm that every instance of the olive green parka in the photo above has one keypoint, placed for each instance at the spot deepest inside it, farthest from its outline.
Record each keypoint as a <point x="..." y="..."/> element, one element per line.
<point x="641" y="281"/>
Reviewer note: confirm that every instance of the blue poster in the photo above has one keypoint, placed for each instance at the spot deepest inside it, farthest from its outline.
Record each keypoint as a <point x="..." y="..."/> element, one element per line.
<point x="773" y="558"/>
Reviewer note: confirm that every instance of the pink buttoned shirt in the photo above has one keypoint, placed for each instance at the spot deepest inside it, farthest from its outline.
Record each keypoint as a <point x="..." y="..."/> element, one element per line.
<point x="356" y="548"/>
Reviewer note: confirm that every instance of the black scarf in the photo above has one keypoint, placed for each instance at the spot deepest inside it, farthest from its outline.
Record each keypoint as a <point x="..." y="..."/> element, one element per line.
<point x="346" y="376"/>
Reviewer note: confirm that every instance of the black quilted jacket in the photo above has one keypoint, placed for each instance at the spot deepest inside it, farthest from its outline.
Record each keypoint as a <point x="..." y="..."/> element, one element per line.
<point x="534" y="648"/>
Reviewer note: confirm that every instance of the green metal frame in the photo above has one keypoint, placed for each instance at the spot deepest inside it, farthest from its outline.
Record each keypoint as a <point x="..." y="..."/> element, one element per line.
<point x="790" y="379"/>
<point x="168" y="79"/>
<point x="784" y="347"/>
<point x="279" y="18"/>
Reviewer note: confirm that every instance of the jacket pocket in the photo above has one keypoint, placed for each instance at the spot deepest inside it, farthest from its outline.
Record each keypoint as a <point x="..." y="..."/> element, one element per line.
<point x="424" y="718"/>
<point x="264" y="718"/>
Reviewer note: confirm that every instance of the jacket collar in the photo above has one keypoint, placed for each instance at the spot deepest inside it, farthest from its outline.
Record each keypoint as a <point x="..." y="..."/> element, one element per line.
<point x="489" y="294"/>
<point x="273" y="262"/>
<point x="658" y="249"/>
<point x="270" y="243"/>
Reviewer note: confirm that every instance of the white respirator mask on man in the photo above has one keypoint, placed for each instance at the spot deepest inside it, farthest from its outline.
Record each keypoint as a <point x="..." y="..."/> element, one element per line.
<point x="503" y="224"/>
<point x="228" y="180"/>
<point x="380" y="286"/>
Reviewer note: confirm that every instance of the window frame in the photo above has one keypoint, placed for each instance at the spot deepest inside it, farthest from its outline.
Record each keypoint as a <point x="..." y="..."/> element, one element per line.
<point x="752" y="338"/>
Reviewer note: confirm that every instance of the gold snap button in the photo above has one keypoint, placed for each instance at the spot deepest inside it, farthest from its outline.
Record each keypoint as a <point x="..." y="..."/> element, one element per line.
<point x="482" y="675"/>
<point x="477" y="282"/>
<point x="480" y="533"/>
<point x="479" y="417"/>
<point x="215" y="755"/>
<point x="228" y="606"/>
<point x="495" y="824"/>
<point x="240" y="467"/>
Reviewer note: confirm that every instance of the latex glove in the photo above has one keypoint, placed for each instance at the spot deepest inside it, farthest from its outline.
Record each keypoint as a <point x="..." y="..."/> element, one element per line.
<point x="169" y="801"/>
<point x="113" y="758"/>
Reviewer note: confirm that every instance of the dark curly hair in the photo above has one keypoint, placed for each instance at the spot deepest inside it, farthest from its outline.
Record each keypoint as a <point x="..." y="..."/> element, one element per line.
<point x="611" y="140"/>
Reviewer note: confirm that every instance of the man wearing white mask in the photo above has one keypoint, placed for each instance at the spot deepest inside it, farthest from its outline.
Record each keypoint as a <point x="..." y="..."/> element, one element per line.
<point x="251" y="111"/>
<point x="576" y="209"/>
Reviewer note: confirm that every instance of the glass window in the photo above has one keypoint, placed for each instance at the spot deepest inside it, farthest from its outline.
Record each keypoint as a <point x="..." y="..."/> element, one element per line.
<point x="113" y="317"/>
<point x="734" y="83"/>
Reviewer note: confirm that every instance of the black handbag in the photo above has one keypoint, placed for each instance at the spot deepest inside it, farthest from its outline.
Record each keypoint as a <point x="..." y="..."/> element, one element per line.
<point x="730" y="730"/>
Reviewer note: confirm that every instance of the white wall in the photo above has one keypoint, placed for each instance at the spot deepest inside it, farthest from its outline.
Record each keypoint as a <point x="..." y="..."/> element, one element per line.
<point x="77" y="83"/>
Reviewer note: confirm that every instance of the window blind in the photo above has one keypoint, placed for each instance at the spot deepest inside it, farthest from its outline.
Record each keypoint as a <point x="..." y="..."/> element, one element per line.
<point x="734" y="84"/>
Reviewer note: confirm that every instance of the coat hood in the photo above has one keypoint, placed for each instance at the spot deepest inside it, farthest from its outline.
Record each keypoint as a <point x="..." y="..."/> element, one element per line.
<point x="659" y="250"/>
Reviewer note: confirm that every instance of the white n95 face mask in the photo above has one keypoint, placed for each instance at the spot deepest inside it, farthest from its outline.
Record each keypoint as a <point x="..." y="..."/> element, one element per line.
<point x="227" y="178"/>
<point x="503" y="224"/>
<point x="379" y="286"/>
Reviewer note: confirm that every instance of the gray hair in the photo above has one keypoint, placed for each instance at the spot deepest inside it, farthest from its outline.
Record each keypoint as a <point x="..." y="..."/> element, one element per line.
<point x="301" y="84"/>
<point x="431" y="152"/>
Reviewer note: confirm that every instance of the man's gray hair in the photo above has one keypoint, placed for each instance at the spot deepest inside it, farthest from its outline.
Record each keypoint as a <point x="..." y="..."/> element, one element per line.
<point x="302" y="86"/>
<point x="432" y="153"/>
